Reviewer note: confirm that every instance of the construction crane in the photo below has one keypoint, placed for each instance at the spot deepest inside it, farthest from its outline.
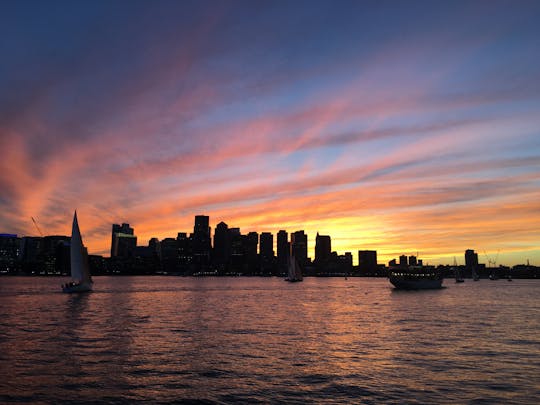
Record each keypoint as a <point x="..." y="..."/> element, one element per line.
<point x="492" y="263"/>
<point x="37" y="227"/>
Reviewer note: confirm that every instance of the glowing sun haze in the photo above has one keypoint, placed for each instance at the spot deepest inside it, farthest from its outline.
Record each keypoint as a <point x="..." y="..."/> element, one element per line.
<point x="398" y="126"/>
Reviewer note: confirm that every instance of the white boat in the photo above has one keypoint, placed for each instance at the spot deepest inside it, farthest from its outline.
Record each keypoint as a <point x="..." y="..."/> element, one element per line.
<point x="81" y="281"/>
<point x="294" y="272"/>
<point x="415" y="278"/>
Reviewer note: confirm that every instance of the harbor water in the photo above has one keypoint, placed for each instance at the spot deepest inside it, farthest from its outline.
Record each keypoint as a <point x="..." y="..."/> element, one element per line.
<point x="263" y="340"/>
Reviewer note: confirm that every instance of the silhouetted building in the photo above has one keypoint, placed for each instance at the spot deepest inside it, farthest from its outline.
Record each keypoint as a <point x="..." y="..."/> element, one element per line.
<point x="200" y="241"/>
<point x="471" y="259"/>
<point x="185" y="254"/>
<point x="10" y="246"/>
<point x="169" y="255"/>
<point x="299" y="247"/>
<point x="412" y="261"/>
<point x="266" y="252"/>
<point x="236" y="263"/>
<point x="124" y="229"/>
<point x="124" y="245"/>
<point x="266" y="245"/>
<point x="154" y="246"/>
<point x="283" y="249"/>
<point x="222" y="246"/>
<point x="251" y="243"/>
<point x="30" y="254"/>
<point x="367" y="262"/>
<point x="323" y="249"/>
<point x="55" y="255"/>
<point x="403" y="260"/>
<point x="345" y="262"/>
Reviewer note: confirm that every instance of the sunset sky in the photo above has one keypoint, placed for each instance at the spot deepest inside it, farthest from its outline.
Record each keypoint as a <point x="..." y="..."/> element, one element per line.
<point x="399" y="126"/>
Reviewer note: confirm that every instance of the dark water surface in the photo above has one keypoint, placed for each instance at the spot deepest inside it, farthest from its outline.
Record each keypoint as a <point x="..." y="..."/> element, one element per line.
<point x="262" y="340"/>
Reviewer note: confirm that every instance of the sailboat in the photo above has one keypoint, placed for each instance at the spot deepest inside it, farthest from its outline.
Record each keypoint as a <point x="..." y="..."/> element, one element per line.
<point x="81" y="281"/>
<point x="294" y="273"/>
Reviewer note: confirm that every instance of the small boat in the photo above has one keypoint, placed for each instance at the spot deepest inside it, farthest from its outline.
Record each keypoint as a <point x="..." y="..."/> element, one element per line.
<point x="415" y="278"/>
<point x="81" y="281"/>
<point x="294" y="273"/>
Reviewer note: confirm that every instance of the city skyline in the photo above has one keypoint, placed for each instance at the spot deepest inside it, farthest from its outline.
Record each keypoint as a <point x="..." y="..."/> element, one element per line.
<point x="400" y="128"/>
<point x="318" y="246"/>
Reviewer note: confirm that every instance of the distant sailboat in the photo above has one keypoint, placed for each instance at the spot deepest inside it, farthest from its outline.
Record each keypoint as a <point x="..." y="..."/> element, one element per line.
<point x="294" y="273"/>
<point x="81" y="281"/>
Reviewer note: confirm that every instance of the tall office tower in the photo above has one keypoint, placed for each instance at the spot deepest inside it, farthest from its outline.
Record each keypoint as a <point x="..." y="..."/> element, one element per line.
<point x="403" y="260"/>
<point x="266" y="252"/>
<point x="185" y="254"/>
<point x="412" y="261"/>
<point x="323" y="248"/>
<point x="283" y="249"/>
<point x="251" y="242"/>
<point x="299" y="247"/>
<point x="266" y="249"/>
<point x="367" y="261"/>
<point x="237" y="250"/>
<point x="222" y="245"/>
<point x="471" y="259"/>
<point x="120" y="231"/>
<point x="201" y="241"/>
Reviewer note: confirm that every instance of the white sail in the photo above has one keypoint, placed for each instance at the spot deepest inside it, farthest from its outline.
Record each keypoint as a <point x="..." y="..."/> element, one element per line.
<point x="79" y="258"/>
<point x="294" y="273"/>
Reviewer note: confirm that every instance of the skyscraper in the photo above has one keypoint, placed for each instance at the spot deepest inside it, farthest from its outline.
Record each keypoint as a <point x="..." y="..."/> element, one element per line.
<point x="201" y="241"/>
<point x="123" y="241"/>
<point x="283" y="249"/>
<point x="471" y="259"/>
<point x="222" y="245"/>
<point x="119" y="231"/>
<point x="299" y="247"/>
<point x="266" y="252"/>
<point x="323" y="249"/>
<point x="266" y="248"/>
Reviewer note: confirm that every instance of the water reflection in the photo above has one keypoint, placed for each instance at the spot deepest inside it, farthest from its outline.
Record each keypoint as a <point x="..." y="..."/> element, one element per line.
<point x="250" y="340"/>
